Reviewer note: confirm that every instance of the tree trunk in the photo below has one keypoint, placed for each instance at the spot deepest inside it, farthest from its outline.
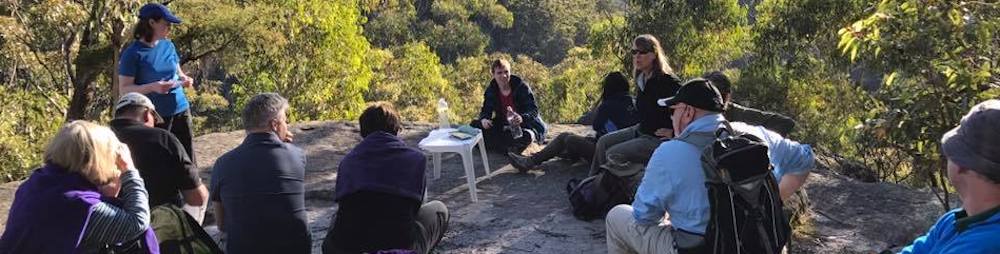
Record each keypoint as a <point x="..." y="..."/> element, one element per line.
<point x="92" y="59"/>
<point x="117" y="40"/>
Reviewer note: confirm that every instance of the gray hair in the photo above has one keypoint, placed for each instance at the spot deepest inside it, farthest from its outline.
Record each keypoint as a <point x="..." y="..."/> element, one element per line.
<point x="261" y="109"/>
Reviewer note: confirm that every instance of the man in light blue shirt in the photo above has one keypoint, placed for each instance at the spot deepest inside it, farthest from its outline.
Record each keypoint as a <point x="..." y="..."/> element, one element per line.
<point x="792" y="161"/>
<point x="671" y="206"/>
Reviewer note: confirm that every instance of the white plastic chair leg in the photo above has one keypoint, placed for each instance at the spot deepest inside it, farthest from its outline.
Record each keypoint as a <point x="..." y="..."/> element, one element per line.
<point x="470" y="175"/>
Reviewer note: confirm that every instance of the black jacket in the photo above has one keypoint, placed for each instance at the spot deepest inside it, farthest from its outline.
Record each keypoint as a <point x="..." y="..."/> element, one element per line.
<point x="524" y="104"/>
<point x="652" y="116"/>
<point x="161" y="160"/>
<point x="619" y="110"/>
<point x="773" y="121"/>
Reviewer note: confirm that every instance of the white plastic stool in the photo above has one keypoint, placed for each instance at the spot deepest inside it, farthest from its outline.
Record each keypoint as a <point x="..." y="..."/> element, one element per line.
<point x="440" y="141"/>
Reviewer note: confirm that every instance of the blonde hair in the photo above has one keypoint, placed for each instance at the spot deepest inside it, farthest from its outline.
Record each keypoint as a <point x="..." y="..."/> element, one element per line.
<point x="646" y="42"/>
<point x="86" y="148"/>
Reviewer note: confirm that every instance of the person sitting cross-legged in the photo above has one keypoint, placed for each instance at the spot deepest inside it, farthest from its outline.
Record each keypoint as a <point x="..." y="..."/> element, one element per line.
<point x="380" y="192"/>
<point x="509" y="104"/>
<point x="258" y="187"/>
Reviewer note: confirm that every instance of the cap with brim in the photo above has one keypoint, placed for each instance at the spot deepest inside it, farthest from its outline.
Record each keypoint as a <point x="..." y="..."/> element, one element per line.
<point x="667" y="102"/>
<point x="972" y="144"/>
<point x="699" y="93"/>
<point x="140" y="100"/>
<point x="155" y="10"/>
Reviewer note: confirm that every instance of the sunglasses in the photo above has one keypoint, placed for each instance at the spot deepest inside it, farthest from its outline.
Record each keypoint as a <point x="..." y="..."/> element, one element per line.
<point x="637" y="52"/>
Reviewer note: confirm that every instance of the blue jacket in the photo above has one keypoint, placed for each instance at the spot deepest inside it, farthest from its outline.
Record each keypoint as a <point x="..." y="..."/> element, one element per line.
<point x="524" y="104"/>
<point x="956" y="232"/>
<point x="615" y="112"/>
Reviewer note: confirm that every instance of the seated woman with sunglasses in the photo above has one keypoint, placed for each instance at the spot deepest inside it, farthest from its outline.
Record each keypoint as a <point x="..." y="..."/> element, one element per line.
<point x="634" y="145"/>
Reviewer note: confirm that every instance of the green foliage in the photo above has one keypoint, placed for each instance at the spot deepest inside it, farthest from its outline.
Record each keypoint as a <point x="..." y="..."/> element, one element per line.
<point x="315" y="59"/>
<point x="938" y="58"/>
<point x="546" y="30"/>
<point x="575" y="87"/>
<point x="452" y="28"/>
<point x="796" y="68"/>
<point x="609" y="38"/>
<point x="468" y="78"/>
<point x="54" y="64"/>
<point x="211" y="111"/>
<point x="411" y="77"/>
<point x="697" y="36"/>
<point x="25" y="128"/>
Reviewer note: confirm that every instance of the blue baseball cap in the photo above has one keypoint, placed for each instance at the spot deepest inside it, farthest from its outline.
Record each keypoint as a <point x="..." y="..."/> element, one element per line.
<point x="155" y="11"/>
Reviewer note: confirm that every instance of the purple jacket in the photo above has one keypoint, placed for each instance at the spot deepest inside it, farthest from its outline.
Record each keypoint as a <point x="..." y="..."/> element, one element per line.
<point x="382" y="163"/>
<point x="50" y="212"/>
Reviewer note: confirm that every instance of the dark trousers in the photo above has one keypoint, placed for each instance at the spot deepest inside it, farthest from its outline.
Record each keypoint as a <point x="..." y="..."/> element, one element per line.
<point x="180" y="126"/>
<point x="499" y="139"/>
<point x="567" y="146"/>
<point x="431" y="224"/>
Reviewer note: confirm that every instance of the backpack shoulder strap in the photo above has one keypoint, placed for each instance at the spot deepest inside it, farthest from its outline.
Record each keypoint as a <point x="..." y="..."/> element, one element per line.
<point x="699" y="139"/>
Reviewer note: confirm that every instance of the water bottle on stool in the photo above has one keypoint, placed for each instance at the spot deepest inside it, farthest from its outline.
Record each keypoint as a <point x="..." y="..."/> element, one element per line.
<point x="442" y="110"/>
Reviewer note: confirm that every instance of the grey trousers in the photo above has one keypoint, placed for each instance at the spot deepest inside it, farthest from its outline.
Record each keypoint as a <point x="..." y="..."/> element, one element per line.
<point x="625" y="146"/>
<point x="432" y="222"/>
<point x="625" y="236"/>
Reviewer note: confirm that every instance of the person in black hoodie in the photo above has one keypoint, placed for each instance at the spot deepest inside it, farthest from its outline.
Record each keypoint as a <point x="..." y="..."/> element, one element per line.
<point x="615" y="111"/>
<point x="506" y="92"/>
<point x="623" y="152"/>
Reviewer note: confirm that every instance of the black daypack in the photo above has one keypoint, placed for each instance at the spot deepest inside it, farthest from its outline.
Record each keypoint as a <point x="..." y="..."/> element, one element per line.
<point x="592" y="197"/>
<point x="746" y="213"/>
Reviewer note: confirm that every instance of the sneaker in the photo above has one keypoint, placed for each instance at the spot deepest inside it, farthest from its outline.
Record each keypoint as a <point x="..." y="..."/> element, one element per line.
<point x="520" y="162"/>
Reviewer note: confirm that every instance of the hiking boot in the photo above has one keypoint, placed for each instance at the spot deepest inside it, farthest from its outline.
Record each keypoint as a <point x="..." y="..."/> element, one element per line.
<point x="520" y="162"/>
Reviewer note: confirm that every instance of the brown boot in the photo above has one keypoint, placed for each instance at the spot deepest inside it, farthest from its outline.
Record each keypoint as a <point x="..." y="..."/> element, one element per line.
<point x="520" y="162"/>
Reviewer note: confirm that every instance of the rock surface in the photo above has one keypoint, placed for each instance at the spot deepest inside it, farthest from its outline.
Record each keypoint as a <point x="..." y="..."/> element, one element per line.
<point x="529" y="213"/>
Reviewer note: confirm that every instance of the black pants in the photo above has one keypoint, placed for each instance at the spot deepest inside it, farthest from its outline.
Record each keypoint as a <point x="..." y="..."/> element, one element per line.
<point x="180" y="126"/>
<point x="499" y="139"/>
<point x="432" y="223"/>
<point x="567" y="146"/>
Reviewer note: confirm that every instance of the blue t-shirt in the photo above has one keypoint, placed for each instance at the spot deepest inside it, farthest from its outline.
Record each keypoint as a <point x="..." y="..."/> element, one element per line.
<point x="150" y="64"/>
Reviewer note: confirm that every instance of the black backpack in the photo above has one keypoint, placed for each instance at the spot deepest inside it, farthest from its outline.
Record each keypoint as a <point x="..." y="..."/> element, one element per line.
<point x="746" y="213"/>
<point x="592" y="197"/>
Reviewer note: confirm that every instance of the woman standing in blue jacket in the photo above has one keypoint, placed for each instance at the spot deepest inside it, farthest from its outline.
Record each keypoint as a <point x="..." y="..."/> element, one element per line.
<point x="615" y="111"/>
<point x="151" y="66"/>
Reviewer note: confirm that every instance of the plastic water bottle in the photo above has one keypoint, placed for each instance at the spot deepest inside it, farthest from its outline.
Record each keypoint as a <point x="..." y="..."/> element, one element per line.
<point x="515" y="129"/>
<point x="442" y="110"/>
